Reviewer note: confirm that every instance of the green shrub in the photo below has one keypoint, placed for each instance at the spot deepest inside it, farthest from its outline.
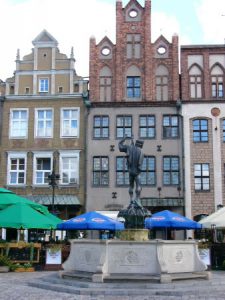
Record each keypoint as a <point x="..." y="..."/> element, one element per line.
<point x="5" y="261"/>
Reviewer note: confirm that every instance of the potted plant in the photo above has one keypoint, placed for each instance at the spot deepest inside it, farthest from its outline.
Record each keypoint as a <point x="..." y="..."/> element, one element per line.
<point x="5" y="263"/>
<point x="26" y="267"/>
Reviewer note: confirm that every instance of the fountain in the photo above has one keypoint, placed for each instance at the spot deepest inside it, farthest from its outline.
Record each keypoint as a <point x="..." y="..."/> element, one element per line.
<point x="134" y="256"/>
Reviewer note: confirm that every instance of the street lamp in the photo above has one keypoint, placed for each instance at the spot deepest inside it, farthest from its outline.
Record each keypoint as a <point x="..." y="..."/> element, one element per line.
<point x="53" y="178"/>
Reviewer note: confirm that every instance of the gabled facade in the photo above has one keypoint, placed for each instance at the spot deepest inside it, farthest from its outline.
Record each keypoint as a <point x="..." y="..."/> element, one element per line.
<point x="43" y="128"/>
<point x="134" y="91"/>
<point x="203" y="110"/>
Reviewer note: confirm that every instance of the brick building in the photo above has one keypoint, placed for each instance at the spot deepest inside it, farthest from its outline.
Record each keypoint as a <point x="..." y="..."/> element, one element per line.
<point x="43" y="128"/>
<point x="134" y="90"/>
<point x="203" y="110"/>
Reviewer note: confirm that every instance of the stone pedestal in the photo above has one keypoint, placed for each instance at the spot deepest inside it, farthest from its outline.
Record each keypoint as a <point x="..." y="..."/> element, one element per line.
<point x="134" y="235"/>
<point x="165" y="261"/>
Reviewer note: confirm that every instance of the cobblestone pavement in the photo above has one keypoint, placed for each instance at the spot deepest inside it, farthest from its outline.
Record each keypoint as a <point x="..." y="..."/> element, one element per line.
<point x="15" y="286"/>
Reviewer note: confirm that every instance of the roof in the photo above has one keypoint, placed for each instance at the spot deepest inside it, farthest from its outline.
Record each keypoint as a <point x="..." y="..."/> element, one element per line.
<point x="58" y="200"/>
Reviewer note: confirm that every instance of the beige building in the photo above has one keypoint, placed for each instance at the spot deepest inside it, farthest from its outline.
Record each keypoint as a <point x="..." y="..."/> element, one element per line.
<point x="43" y="128"/>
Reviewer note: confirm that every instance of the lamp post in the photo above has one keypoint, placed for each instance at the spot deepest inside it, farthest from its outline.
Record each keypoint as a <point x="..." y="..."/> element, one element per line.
<point x="53" y="178"/>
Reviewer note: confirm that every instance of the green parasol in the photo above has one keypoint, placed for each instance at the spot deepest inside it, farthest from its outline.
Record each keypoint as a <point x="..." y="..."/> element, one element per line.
<point x="7" y="198"/>
<point x="23" y="216"/>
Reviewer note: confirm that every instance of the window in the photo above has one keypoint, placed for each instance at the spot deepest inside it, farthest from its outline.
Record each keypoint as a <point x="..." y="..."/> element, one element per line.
<point x="16" y="169"/>
<point x="11" y="90"/>
<point x="200" y="130"/>
<point x="69" y="122"/>
<point x="122" y="174"/>
<point x="224" y="130"/>
<point x="60" y="89"/>
<point x="217" y="84"/>
<point x="123" y="126"/>
<point x="18" y="123"/>
<point x="133" y="87"/>
<point x="171" y="170"/>
<point x="170" y="126"/>
<point x="195" y="82"/>
<point x="147" y="126"/>
<point x="201" y="174"/>
<point x="101" y="127"/>
<point x="43" y="85"/>
<point x="101" y="171"/>
<point x="148" y="172"/>
<point x="217" y="87"/>
<point x="43" y="123"/>
<point x="42" y="168"/>
<point x="27" y="90"/>
<point x="69" y="167"/>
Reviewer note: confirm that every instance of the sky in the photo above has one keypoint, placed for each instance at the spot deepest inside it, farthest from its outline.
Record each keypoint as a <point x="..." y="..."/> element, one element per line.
<point x="73" y="22"/>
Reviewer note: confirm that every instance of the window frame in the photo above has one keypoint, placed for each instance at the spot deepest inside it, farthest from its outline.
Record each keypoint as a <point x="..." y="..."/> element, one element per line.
<point x="62" y="127"/>
<point x="101" y="172"/>
<point x="200" y="131"/>
<point x="171" y="171"/>
<point x="45" y="120"/>
<point x="124" y="171"/>
<point x="168" y="129"/>
<point x="17" y="156"/>
<point x="148" y="171"/>
<point x="43" y="86"/>
<point x="20" y="120"/>
<point x="69" y="154"/>
<point x="148" y="126"/>
<point x="201" y="177"/>
<point x="43" y="155"/>
<point x="133" y="88"/>
<point x="123" y="127"/>
<point x="217" y="86"/>
<point x="101" y="127"/>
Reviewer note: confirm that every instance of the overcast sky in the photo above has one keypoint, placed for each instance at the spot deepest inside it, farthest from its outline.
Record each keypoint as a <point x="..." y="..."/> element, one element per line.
<point x="73" y="22"/>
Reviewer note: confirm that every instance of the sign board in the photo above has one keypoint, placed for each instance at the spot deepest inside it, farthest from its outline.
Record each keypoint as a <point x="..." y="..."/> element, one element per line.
<point x="205" y="256"/>
<point x="53" y="256"/>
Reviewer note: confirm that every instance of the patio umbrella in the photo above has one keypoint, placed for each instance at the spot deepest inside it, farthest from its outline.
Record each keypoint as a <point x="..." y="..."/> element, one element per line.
<point x="91" y="221"/>
<point x="23" y="216"/>
<point x="7" y="198"/>
<point x="169" y="219"/>
<point x="215" y="219"/>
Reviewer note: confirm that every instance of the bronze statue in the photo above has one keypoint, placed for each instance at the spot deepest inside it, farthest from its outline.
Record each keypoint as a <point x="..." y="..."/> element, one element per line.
<point x="135" y="159"/>
<point x="135" y="214"/>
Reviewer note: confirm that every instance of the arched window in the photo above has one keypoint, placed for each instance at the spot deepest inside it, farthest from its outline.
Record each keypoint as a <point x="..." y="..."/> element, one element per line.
<point x="217" y="84"/>
<point x="133" y="88"/>
<point x="162" y="83"/>
<point x="105" y="85"/>
<point x="195" y="82"/>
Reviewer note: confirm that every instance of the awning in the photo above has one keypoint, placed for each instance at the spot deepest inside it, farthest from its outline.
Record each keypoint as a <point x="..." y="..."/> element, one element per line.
<point x="162" y="202"/>
<point x="108" y="213"/>
<point x="58" y="200"/>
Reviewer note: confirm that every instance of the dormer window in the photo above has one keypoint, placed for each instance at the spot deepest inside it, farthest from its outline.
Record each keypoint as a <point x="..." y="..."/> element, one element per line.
<point x="11" y="90"/>
<point x="27" y="90"/>
<point x="43" y="85"/>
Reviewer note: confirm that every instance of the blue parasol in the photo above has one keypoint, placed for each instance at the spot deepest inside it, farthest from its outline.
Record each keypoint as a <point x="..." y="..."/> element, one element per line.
<point x="91" y="221"/>
<point x="169" y="219"/>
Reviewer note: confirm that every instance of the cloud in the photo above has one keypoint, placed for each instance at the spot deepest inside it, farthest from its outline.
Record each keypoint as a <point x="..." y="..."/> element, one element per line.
<point x="211" y="16"/>
<point x="71" y="22"/>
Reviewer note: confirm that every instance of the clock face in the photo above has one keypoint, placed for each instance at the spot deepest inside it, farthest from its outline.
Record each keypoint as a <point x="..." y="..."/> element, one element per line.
<point x="161" y="50"/>
<point x="133" y="13"/>
<point x="105" y="51"/>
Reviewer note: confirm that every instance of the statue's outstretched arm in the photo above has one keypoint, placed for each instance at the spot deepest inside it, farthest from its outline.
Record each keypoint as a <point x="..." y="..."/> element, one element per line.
<point x="122" y="147"/>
